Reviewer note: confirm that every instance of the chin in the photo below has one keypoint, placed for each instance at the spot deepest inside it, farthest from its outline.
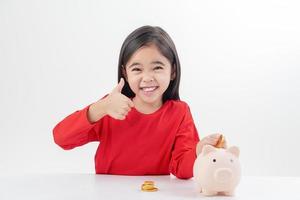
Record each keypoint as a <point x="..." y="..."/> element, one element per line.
<point x="150" y="100"/>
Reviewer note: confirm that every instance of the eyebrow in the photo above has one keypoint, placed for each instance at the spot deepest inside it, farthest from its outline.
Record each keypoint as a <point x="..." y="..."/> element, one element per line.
<point x="153" y="63"/>
<point x="134" y="64"/>
<point x="158" y="62"/>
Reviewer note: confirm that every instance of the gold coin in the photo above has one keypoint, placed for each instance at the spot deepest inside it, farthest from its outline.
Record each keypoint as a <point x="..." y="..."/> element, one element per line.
<point x="148" y="186"/>
<point x="148" y="182"/>
<point x="220" y="143"/>
<point x="151" y="190"/>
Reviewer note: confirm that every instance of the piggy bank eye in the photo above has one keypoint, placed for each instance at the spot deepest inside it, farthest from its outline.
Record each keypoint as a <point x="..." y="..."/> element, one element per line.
<point x="231" y="160"/>
<point x="214" y="160"/>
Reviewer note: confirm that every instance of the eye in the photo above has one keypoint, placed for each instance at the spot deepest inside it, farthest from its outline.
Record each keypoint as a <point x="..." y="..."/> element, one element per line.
<point x="157" y="68"/>
<point x="214" y="160"/>
<point x="231" y="160"/>
<point x="136" y="69"/>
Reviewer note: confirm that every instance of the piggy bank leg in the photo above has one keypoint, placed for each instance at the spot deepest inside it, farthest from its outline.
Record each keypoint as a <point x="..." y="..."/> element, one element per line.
<point x="209" y="193"/>
<point x="229" y="193"/>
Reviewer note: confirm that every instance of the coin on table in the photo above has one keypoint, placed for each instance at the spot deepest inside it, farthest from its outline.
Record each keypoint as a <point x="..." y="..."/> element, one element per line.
<point x="148" y="186"/>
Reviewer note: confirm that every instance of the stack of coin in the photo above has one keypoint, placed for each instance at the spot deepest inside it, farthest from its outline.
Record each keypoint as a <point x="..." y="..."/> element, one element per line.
<point x="220" y="143"/>
<point x="148" y="186"/>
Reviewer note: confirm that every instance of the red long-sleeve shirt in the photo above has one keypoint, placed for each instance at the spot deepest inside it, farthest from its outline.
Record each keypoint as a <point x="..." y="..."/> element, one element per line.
<point x="160" y="143"/>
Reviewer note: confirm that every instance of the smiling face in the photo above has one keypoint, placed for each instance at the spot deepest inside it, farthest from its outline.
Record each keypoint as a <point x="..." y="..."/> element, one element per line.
<point x="148" y="74"/>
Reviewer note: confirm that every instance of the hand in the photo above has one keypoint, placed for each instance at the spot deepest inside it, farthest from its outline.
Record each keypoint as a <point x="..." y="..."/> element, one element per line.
<point x="115" y="105"/>
<point x="209" y="140"/>
<point x="118" y="105"/>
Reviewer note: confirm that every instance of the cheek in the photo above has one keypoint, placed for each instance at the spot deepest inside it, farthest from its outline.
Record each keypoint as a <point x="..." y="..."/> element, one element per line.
<point x="133" y="82"/>
<point x="164" y="79"/>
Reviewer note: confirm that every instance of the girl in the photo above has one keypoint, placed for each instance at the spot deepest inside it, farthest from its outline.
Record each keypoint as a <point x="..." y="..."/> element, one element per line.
<point x="142" y="125"/>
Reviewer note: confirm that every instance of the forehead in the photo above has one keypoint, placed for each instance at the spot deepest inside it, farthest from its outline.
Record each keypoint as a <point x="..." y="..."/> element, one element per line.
<point x="147" y="54"/>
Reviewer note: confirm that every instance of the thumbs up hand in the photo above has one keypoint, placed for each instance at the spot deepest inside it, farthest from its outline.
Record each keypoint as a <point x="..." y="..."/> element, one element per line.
<point x="115" y="105"/>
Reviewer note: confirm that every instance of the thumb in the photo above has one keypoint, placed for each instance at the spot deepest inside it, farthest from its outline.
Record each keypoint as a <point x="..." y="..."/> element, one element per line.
<point x="120" y="86"/>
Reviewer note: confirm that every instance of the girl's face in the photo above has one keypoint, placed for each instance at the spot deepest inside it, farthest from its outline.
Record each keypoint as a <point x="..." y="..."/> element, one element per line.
<point x="148" y="73"/>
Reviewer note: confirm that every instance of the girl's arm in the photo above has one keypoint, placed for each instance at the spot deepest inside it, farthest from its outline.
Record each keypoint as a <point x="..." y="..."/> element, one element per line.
<point x="76" y="130"/>
<point x="85" y="125"/>
<point x="184" y="149"/>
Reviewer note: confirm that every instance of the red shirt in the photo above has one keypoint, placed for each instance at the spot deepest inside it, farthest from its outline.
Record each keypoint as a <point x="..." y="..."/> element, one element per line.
<point x="160" y="143"/>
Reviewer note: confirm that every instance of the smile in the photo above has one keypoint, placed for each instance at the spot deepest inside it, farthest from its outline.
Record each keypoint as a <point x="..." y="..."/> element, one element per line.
<point x="149" y="89"/>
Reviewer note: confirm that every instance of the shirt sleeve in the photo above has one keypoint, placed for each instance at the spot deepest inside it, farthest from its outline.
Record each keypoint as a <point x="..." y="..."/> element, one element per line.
<point x="184" y="149"/>
<point x="76" y="130"/>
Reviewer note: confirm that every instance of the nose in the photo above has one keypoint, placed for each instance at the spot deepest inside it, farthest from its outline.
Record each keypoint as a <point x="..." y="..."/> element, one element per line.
<point x="148" y="78"/>
<point x="223" y="175"/>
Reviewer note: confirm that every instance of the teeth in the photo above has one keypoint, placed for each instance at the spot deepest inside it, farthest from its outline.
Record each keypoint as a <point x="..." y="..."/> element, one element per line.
<point x="149" y="89"/>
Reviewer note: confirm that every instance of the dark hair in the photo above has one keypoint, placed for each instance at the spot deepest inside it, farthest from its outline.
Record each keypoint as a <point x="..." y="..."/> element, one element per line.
<point x="143" y="36"/>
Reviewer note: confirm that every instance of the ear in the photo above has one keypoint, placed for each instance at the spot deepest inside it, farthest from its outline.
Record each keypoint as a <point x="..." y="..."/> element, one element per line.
<point x="234" y="150"/>
<point x="208" y="149"/>
<point x="173" y="73"/>
<point x="124" y="72"/>
<point x="173" y="76"/>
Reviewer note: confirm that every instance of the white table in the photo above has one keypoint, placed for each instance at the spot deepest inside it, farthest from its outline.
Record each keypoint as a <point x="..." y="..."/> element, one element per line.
<point x="91" y="186"/>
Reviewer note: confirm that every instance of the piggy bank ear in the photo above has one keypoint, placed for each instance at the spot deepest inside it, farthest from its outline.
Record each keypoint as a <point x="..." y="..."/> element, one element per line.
<point x="234" y="150"/>
<point x="207" y="149"/>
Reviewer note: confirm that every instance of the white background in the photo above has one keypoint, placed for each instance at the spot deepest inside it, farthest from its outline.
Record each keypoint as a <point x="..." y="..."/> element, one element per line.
<point x="240" y="74"/>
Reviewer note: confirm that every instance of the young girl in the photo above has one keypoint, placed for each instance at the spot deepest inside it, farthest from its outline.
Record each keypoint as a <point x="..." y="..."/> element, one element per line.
<point x="142" y="125"/>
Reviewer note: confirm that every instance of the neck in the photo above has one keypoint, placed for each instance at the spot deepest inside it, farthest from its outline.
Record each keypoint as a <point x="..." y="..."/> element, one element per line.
<point x="146" y="108"/>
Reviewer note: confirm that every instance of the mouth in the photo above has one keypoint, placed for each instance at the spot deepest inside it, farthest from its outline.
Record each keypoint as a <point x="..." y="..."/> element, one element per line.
<point x="148" y="89"/>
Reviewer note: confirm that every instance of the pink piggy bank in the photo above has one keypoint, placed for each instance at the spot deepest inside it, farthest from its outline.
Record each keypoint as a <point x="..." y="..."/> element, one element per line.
<point x="217" y="171"/>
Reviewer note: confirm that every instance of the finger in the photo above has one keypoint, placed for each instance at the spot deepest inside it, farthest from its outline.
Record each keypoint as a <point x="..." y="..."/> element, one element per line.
<point x="122" y="117"/>
<point x="216" y="135"/>
<point x="214" y="142"/>
<point x="126" y="109"/>
<point x="123" y="112"/>
<point x="130" y="103"/>
<point x="119" y="116"/>
<point x="116" y="114"/>
<point x="211" y="141"/>
<point x="120" y="86"/>
<point x="207" y="142"/>
<point x="225" y="144"/>
<point x="212" y="138"/>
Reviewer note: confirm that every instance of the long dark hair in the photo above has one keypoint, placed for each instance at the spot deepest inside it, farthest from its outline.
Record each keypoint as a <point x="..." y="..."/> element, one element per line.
<point x="146" y="35"/>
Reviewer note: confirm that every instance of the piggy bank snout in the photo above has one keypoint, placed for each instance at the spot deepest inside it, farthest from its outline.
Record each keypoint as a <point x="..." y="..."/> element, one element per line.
<point x="223" y="175"/>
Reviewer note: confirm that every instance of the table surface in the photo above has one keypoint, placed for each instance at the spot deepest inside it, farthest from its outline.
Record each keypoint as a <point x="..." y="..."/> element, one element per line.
<point x="91" y="186"/>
